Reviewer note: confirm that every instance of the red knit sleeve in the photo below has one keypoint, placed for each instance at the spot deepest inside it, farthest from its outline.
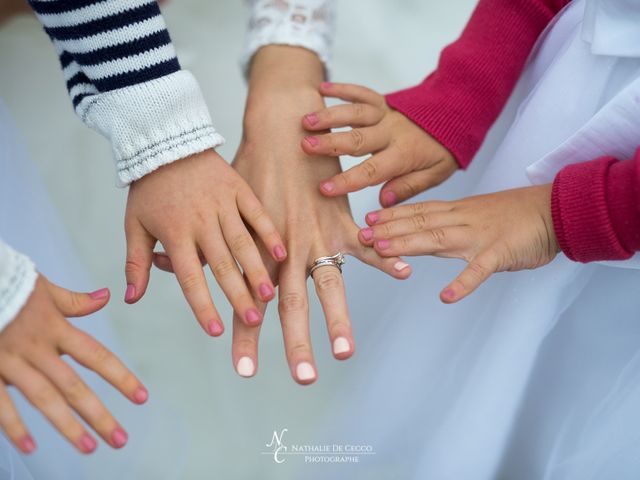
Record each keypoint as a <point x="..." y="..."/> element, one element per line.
<point x="596" y="209"/>
<point x="458" y="103"/>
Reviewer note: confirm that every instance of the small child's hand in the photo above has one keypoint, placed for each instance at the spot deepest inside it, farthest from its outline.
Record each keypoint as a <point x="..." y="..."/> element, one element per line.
<point x="197" y="208"/>
<point x="504" y="231"/>
<point x="408" y="159"/>
<point x="30" y="349"/>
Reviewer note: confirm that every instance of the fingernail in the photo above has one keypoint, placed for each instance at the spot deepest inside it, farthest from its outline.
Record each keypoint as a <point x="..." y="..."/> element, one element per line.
<point x="140" y="395"/>
<point x="367" y="233"/>
<point x="383" y="244"/>
<point x="280" y="252"/>
<point x="341" y="345"/>
<point x="100" y="294"/>
<point x="253" y="316"/>
<point x="328" y="187"/>
<point x="399" y="266"/>
<point x="27" y="445"/>
<point x="326" y="84"/>
<point x="266" y="291"/>
<point x="88" y="443"/>
<point x="305" y="371"/>
<point x="245" y="367"/>
<point x="130" y="293"/>
<point x="372" y="218"/>
<point x="311" y="118"/>
<point x="449" y="294"/>
<point x="390" y="199"/>
<point x="215" y="328"/>
<point x="313" y="141"/>
<point x="119" y="437"/>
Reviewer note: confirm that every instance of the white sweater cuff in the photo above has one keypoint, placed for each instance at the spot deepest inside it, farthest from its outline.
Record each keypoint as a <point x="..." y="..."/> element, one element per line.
<point x="17" y="279"/>
<point x="151" y="124"/>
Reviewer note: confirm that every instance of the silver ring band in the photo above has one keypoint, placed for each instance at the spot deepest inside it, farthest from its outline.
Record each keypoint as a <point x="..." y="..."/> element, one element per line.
<point x="336" y="260"/>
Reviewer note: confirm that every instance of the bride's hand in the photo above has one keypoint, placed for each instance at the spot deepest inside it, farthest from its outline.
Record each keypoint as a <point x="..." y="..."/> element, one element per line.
<point x="283" y="86"/>
<point x="404" y="157"/>
<point x="504" y="231"/>
<point x="30" y="349"/>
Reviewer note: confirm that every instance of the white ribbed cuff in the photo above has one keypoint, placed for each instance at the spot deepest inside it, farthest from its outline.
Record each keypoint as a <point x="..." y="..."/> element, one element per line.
<point x="18" y="277"/>
<point x="152" y="123"/>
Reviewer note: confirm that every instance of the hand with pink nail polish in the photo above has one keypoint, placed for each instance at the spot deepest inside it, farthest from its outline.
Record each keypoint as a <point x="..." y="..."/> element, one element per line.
<point x="200" y="209"/>
<point x="30" y="349"/>
<point x="504" y="231"/>
<point x="404" y="156"/>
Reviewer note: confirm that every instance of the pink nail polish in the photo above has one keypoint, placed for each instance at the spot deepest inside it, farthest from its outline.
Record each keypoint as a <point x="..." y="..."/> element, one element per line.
<point x="313" y="141"/>
<point x="253" y="316"/>
<point x="266" y="291"/>
<point x="383" y="244"/>
<point x="119" y="437"/>
<point x="328" y="187"/>
<point x="390" y="199"/>
<point x="130" y="293"/>
<point x="312" y="119"/>
<point x="326" y="85"/>
<point x="215" y="328"/>
<point x="449" y="294"/>
<point x="280" y="252"/>
<point x="27" y="445"/>
<point x="367" y="233"/>
<point x="88" y="443"/>
<point x="140" y="395"/>
<point x="372" y="218"/>
<point x="100" y="294"/>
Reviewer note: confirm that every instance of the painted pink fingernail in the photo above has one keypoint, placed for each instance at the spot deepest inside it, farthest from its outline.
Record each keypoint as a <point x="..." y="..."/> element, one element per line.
<point x="367" y="233"/>
<point x="88" y="443"/>
<point x="313" y="141"/>
<point x="27" y="445"/>
<point x="280" y="252"/>
<point x="390" y="199"/>
<point x="449" y="294"/>
<point x="215" y="328"/>
<point x="328" y="187"/>
<point x="372" y="218"/>
<point x="383" y="244"/>
<point x="130" y="293"/>
<point x="119" y="437"/>
<point x="312" y="119"/>
<point x="326" y="85"/>
<point x="100" y="294"/>
<point x="141" y="395"/>
<point x="266" y="291"/>
<point x="253" y="316"/>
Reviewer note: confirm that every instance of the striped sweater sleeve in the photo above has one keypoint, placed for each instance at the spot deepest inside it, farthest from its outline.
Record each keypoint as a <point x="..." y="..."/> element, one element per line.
<point x="125" y="81"/>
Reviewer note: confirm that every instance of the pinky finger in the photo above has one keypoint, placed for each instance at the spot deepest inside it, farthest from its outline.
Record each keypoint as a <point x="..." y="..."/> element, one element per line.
<point x="12" y="424"/>
<point x="477" y="271"/>
<point x="256" y="216"/>
<point x="393" y="266"/>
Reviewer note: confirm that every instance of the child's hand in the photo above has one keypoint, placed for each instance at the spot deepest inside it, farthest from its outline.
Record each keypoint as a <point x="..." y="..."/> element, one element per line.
<point x="505" y="231"/>
<point x="196" y="207"/>
<point x="404" y="155"/>
<point x="30" y="349"/>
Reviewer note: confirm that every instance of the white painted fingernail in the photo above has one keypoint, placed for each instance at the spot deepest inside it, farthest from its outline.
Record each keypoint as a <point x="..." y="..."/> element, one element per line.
<point x="399" y="266"/>
<point x="305" y="371"/>
<point x="341" y="345"/>
<point x="245" y="367"/>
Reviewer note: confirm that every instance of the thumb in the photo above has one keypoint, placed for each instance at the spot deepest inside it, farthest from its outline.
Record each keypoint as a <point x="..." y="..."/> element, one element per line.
<point x="76" y="304"/>
<point x="139" y="255"/>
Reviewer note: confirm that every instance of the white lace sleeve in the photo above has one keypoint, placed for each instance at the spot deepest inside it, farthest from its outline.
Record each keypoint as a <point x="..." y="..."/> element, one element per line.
<point x="303" y="23"/>
<point x="17" y="278"/>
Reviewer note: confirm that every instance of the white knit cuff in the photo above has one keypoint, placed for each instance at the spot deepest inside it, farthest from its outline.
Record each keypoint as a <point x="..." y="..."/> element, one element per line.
<point x="151" y="124"/>
<point x="17" y="279"/>
<point x="300" y="23"/>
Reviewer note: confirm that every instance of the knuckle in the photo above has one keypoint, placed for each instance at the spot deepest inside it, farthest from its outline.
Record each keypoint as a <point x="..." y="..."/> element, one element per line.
<point x="300" y="347"/>
<point x="409" y="189"/>
<point x="99" y="354"/>
<point x="241" y="242"/>
<point x="245" y="344"/>
<point x="386" y="230"/>
<point x="416" y="208"/>
<point x="292" y="302"/>
<point x="75" y="390"/>
<point x="43" y="397"/>
<point x="477" y="270"/>
<point x="357" y="110"/>
<point x="420" y="221"/>
<point x="328" y="281"/>
<point x="223" y="268"/>
<point x="357" y="140"/>
<point x="190" y="281"/>
<point x="438" y="236"/>
<point x="370" y="170"/>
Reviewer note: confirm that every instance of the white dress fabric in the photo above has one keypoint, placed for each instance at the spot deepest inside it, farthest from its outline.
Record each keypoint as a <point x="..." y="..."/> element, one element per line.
<point x="156" y="440"/>
<point x="536" y="375"/>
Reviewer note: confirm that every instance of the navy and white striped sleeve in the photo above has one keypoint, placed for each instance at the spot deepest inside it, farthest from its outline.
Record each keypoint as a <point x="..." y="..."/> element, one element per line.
<point x="125" y="81"/>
